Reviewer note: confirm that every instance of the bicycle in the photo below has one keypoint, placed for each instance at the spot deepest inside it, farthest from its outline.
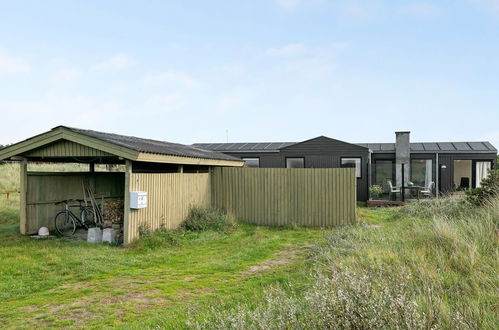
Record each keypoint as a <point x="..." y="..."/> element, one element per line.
<point x="66" y="221"/>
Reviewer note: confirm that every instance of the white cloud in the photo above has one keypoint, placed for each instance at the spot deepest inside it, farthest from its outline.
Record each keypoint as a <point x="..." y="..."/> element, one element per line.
<point x="234" y="100"/>
<point x="164" y="103"/>
<point x="420" y="9"/>
<point x="358" y="10"/>
<point x="173" y="78"/>
<point x="286" y="50"/>
<point x="288" y="4"/>
<point x="298" y="49"/>
<point x="10" y="64"/>
<point x="66" y="76"/>
<point x="488" y="5"/>
<point x="116" y="63"/>
<point x="53" y="109"/>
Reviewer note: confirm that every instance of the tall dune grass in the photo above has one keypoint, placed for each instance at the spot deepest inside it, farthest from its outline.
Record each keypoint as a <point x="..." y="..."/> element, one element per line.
<point x="433" y="265"/>
<point x="9" y="172"/>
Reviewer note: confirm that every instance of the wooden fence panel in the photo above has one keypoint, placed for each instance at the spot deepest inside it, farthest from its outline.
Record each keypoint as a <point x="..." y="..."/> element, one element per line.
<point x="170" y="196"/>
<point x="280" y="197"/>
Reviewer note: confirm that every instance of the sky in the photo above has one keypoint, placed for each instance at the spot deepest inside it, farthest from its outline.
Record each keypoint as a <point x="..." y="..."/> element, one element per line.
<point x="252" y="70"/>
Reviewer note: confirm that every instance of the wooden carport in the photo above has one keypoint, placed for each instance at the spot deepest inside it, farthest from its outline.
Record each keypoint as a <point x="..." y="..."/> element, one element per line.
<point x="149" y="164"/>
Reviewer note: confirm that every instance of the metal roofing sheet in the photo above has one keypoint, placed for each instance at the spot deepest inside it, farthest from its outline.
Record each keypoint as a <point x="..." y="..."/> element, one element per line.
<point x="431" y="146"/>
<point x="490" y="146"/>
<point x="461" y="146"/>
<point x="154" y="146"/>
<point x="417" y="147"/>
<point x="446" y="146"/>
<point x="478" y="146"/>
<point x="422" y="147"/>
<point x="387" y="146"/>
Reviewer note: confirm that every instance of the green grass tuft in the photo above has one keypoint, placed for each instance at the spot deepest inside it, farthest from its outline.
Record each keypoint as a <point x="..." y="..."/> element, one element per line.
<point x="202" y="219"/>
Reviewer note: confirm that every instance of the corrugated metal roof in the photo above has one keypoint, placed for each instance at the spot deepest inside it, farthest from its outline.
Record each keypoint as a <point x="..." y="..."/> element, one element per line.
<point x="154" y="146"/>
<point x="416" y="147"/>
<point x="244" y="147"/>
<point x="433" y="147"/>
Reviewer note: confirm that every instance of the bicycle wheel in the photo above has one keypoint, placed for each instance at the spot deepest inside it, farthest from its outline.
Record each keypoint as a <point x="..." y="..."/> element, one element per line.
<point x="64" y="224"/>
<point x="87" y="217"/>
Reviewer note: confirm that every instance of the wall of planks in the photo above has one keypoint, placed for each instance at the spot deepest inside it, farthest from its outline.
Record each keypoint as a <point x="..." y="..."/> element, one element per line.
<point x="170" y="197"/>
<point x="285" y="197"/>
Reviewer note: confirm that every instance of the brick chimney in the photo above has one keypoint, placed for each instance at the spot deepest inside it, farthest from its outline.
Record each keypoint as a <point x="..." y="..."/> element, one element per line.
<point x="402" y="156"/>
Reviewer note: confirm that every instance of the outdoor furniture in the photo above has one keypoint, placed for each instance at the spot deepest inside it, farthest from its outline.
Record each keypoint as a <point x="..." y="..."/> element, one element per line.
<point x="465" y="183"/>
<point x="393" y="190"/>
<point x="428" y="191"/>
<point x="418" y="189"/>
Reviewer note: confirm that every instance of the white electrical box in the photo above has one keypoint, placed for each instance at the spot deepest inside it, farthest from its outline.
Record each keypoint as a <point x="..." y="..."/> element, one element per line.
<point x="138" y="199"/>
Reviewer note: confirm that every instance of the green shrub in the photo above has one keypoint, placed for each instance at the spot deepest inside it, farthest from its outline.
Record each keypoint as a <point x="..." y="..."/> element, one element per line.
<point x="489" y="189"/>
<point x="376" y="189"/>
<point x="202" y="219"/>
<point x="151" y="240"/>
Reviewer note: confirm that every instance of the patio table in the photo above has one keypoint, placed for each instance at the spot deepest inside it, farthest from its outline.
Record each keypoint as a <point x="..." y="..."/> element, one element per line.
<point x="417" y="188"/>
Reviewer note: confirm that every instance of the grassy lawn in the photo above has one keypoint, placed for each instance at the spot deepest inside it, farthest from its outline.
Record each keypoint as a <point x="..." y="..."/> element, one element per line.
<point x="55" y="283"/>
<point x="431" y="264"/>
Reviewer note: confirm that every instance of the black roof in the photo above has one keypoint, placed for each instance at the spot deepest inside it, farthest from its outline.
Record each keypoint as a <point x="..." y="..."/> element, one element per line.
<point x="153" y="146"/>
<point x="245" y="147"/>
<point x="416" y="147"/>
<point x="434" y="147"/>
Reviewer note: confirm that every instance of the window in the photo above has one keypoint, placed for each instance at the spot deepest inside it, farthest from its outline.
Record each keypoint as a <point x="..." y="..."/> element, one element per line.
<point x="353" y="163"/>
<point x="482" y="171"/>
<point x="383" y="171"/>
<point x="297" y="162"/>
<point x="251" y="162"/>
<point x="421" y="172"/>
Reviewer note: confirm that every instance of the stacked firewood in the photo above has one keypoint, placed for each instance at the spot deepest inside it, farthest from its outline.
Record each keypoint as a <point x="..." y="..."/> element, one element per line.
<point x="113" y="211"/>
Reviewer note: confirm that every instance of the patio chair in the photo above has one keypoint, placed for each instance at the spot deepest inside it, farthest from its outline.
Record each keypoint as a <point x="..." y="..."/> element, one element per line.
<point x="393" y="190"/>
<point x="465" y="183"/>
<point x="428" y="192"/>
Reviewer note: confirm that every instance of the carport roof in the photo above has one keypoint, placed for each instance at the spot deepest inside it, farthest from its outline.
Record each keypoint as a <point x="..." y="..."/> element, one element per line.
<point x="128" y="147"/>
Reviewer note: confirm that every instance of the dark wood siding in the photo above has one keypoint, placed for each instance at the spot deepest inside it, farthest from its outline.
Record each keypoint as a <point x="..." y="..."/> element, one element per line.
<point x="323" y="152"/>
<point x="447" y="175"/>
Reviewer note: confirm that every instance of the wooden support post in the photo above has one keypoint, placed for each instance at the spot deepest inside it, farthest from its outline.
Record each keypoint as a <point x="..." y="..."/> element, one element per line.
<point x="181" y="168"/>
<point x="23" y="224"/>
<point x="126" y="222"/>
<point x="92" y="167"/>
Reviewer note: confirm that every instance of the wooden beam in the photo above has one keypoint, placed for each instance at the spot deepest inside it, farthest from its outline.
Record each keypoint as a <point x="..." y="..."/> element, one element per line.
<point x="126" y="222"/>
<point x="147" y="157"/>
<point x="91" y="167"/>
<point x="23" y="223"/>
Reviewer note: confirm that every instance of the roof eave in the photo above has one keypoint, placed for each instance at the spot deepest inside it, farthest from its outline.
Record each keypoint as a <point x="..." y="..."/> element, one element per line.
<point x="158" y="158"/>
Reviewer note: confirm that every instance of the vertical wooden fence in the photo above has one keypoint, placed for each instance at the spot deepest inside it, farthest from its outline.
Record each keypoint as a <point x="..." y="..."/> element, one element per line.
<point x="170" y="196"/>
<point x="280" y="197"/>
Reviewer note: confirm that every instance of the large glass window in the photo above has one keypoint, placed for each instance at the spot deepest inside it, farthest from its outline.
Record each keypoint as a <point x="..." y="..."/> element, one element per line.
<point x="295" y="162"/>
<point x="482" y="171"/>
<point x="462" y="174"/>
<point x="251" y="162"/>
<point x="353" y="163"/>
<point x="421" y="172"/>
<point x="383" y="173"/>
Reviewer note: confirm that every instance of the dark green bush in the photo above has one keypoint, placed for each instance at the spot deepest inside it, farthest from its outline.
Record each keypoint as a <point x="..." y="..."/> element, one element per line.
<point x="489" y="189"/>
<point x="201" y="219"/>
<point x="156" y="239"/>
